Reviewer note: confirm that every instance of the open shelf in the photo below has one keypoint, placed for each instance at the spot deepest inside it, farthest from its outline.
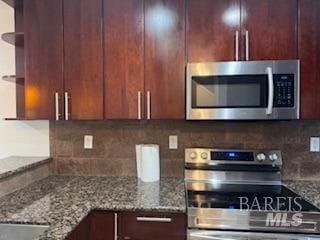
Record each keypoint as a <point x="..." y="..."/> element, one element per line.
<point x="13" y="3"/>
<point x="13" y="119"/>
<point x="14" y="38"/>
<point x="13" y="78"/>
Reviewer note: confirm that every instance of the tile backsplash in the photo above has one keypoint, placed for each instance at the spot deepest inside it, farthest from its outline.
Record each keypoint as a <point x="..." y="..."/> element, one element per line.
<point x="113" y="152"/>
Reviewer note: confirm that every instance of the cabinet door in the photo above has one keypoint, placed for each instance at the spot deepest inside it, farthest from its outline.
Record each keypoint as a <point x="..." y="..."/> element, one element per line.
<point x="124" y="58"/>
<point x="212" y="28"/>
<point x="272" y="28"/>
<point x="82" y="231"/>
<point x="309" y="52"/>
<point x="83" y="70"/>
<point x="155" y="226"/>
<point x="165" y="58"/>
<point x="43" y="57"/>
<point x="102" y="226"/>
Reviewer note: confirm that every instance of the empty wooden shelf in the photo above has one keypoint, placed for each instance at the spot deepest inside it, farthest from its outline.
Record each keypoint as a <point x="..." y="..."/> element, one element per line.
<point x="13" y="3"/>
<point x="13" y="78"/>
<point x="14" y="38"/>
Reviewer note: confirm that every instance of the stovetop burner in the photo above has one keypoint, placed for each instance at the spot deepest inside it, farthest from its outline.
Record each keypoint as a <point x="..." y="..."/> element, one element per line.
<point x="250" y="197"/>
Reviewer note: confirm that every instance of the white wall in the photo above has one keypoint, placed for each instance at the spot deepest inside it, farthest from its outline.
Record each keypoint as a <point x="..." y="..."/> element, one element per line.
<point x="27" y="138"/>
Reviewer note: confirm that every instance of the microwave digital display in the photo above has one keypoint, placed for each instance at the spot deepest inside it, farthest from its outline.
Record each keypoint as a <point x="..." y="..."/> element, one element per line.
<point x="283" y="90"/>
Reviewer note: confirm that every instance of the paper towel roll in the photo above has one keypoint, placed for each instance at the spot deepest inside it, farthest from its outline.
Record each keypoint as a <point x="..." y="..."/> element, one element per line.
<point x="138" y="159"/>
<point x="150" y="163"/>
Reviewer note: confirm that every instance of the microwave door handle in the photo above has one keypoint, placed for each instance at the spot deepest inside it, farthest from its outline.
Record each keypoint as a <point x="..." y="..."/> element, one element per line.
<point x="271" y="90"/>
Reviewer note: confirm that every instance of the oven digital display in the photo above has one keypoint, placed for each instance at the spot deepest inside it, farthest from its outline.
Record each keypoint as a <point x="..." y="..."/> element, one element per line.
<point x="232" y="156"/>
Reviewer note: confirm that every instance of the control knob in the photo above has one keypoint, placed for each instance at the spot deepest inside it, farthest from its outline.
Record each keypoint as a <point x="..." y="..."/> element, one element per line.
<point x="193" y="155"/>
<point x="273" y="157"/>
<point x="261" y="157"/>
<point x="204" y="155"/>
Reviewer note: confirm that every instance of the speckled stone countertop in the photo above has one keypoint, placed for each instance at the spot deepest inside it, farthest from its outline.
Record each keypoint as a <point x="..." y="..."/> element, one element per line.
<point x="310" y="190"/>
<point x="62" y="201"/>
<point x="13" y="165"/>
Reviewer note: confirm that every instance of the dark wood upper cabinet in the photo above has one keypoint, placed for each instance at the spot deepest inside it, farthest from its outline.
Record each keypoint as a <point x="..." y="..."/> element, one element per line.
<point x="309" y="52"/>
<point x="43" y="57"/>
<point x="212" y="29"/>
<point x="124" y="58"/>
<point x="165" y="59"/>
<point x="83" y="58"/>
<point x="145" y="226"/>
<point x="272" y="28"/>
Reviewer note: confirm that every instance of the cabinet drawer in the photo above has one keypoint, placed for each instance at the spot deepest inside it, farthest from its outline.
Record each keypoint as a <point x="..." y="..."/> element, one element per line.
<point x="146" y="226"/>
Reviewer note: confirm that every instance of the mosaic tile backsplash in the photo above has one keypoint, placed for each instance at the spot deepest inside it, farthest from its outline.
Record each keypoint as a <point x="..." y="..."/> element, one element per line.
<point x="113" y="152"/>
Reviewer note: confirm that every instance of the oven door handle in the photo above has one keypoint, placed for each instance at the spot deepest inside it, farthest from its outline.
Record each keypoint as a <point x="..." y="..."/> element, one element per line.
<point x="271" y="90"/>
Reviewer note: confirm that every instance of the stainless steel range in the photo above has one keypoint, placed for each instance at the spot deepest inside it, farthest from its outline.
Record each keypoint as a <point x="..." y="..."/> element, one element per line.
<point x="238" y="194"/>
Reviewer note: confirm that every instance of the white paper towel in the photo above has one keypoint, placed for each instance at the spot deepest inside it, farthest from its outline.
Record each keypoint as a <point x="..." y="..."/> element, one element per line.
<point x="138" y="159"/>
<point x="150" y="163"/>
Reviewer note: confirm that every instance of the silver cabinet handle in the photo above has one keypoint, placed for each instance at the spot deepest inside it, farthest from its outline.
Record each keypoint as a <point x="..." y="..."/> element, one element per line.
<point x="271" y="91"/>
<point x="116" y="226"/>
<point x="56" y="97"/>
<point x="237" y="46"/>
<point x="139" y="105"/>
<point x="154" y="219"/>
<point x="66" y="106"/>
<point x="247" y="46"/>
<point x="148" y="105"/>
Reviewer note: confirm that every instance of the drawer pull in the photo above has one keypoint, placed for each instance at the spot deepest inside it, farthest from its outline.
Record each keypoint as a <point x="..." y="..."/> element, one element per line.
<point x="154" y="219"/>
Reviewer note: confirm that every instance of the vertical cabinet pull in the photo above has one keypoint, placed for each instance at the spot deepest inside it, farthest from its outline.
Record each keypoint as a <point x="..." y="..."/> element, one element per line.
<point x="57" y="106"/>
<point x="139" y="105"/>
<point x="237" y="46"/>
<point x="115" y="226"/>
<point x="247" y="46"/>
<point x="148" y="105"/>
<point x="66" y="107"/>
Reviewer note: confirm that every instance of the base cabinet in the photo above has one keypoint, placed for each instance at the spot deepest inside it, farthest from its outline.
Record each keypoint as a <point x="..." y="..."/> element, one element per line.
<point x="101" y="225"/>
<point x="155" y="226"/>
<point x="82" y="231"/>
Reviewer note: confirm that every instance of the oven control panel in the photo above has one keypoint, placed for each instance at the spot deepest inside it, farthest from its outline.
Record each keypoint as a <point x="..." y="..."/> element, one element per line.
<point x="244" y="157"/>
<point x="283" y="90"/>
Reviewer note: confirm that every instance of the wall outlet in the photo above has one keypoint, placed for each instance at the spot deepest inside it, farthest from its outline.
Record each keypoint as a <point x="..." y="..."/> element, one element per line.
<point x="173" y="142"/>
<point x="88" y="142"/>
<point x="315" y="144"/>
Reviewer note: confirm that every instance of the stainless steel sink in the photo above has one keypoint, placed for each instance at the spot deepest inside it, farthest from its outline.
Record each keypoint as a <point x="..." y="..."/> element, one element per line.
<point x="21" y="232"/>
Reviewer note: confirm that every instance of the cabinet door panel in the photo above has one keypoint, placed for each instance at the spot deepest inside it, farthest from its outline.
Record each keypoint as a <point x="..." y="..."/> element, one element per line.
<point x="124" y="58"/>
<point x="212" y="26"/>
<point x="272" y="26"/>
<point x="130" y="227"/>
<point x="165" y="57"/>
<point x="102" y="226"/>
<point x="82" y="231"/>
<point x="83" y="70"/>
<point x="43" y="57"/>
<point x="309" y="52"/>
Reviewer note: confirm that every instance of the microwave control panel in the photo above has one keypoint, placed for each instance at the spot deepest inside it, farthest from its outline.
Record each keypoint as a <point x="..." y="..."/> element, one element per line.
<point x="283" y="90"/>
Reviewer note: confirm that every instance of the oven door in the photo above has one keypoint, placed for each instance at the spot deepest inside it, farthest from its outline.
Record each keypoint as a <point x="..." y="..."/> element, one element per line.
<point x="243" y="90"/>
<point x="223" y="235"/>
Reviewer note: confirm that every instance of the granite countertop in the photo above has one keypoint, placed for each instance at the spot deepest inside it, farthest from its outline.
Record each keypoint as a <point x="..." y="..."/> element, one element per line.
<point x="310" y="190"/>
<point x="63" y="201"/>
<point x="13" y="165"/>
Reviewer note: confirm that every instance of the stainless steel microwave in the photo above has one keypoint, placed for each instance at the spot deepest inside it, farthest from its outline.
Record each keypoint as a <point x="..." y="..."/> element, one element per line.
<point x="250" y="90"/>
